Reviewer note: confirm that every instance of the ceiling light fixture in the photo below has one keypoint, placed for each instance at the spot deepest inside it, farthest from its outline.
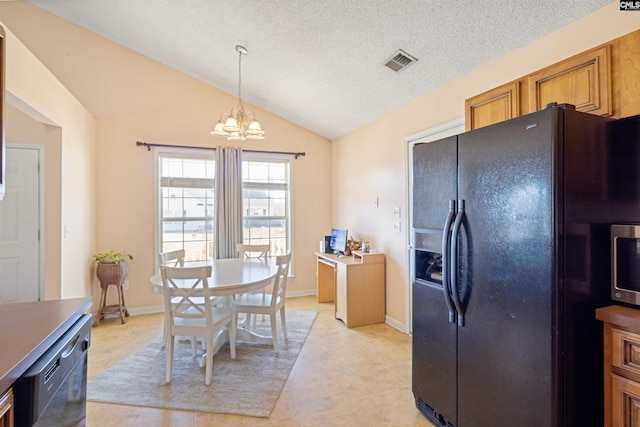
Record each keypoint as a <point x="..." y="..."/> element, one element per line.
<point x="238" y="124"/>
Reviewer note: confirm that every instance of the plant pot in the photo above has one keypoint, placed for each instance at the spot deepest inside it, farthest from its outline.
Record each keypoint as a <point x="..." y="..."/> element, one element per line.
<point x="111" y="273"/>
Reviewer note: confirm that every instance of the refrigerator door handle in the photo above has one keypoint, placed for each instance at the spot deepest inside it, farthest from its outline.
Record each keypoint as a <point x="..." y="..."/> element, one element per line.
<point x="454" y="262"/>
<point x="446" y="285"/>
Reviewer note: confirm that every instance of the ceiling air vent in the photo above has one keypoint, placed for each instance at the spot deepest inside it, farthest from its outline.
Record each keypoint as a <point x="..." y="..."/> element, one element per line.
<point x="400" y="60"/>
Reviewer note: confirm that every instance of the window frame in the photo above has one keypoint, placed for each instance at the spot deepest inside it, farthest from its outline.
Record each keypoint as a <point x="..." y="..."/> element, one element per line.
<point x="254" y="156"/>
<point x="160" y="152"/>
<point x="276" y="158"/>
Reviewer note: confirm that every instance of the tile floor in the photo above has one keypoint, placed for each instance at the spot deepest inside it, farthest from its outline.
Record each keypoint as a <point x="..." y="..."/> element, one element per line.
<point x="342" y="377"/>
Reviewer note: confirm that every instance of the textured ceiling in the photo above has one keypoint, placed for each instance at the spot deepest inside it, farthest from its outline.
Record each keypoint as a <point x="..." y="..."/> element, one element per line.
<point x="320" y="64"/>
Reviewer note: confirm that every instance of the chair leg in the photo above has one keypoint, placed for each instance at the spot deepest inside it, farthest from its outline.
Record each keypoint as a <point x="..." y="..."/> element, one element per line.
<point x="163" y="344"/>
<point x="193" y="347"/>
<point x="169" y="359"/>
<point x="209" y="362"/>
<point x="274" y="331"/>
<point x="283" y="320"/>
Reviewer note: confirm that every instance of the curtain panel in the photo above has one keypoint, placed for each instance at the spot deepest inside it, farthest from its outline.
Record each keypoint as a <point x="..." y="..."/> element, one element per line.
<point x="228" y="203"/>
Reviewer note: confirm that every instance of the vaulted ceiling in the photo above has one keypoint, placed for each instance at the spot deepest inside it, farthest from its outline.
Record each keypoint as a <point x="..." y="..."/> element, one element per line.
<point x="319" y="64"/>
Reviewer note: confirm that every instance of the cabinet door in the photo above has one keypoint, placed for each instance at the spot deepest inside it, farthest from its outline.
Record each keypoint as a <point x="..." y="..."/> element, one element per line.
<point x="496" y="105"/>
<point x="626" y="77"/>
<point x="625" y="402"/>
<point x="326" y="281"/>
<point x="583" y="80"/>
<point x="341" y="292"/>
<point x="6" y="409"/>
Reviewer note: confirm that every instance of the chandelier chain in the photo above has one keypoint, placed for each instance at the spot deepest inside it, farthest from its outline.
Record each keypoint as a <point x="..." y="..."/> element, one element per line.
<point x="240" y="77"/>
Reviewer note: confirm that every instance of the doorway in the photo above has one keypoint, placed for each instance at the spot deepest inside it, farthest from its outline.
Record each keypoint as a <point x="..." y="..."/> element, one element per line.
<point x="21" y="246"/>
<point x="435" y="133"/>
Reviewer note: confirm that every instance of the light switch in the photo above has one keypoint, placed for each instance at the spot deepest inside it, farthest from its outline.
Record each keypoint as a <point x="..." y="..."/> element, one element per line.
<point x="396" y="227"/>
<point x="375" y="202"/>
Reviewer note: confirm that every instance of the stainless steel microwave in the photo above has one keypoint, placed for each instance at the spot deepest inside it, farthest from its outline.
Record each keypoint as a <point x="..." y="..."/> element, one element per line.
<point x="625" y="263"/>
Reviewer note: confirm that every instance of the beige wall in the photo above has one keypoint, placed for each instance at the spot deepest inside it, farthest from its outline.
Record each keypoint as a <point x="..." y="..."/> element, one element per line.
<point x="156" y="104"/>
<point x="42" y="111"/>
<point x="382" y="172"/>
<point x="159" y="105"/>
<point x="125" y="202"/>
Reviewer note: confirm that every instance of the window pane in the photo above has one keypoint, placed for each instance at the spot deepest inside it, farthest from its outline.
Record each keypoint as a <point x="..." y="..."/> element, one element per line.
<point x="187" y="205"/>
<point x="266" y="204"/>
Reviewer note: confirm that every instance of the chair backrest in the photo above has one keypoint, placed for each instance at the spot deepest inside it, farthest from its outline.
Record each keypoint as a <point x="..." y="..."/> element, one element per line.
<point x="253" y="251"/>
<point x="172" y="258"/>
<point x="180" y="285"/>
<point x="280" y="280"/>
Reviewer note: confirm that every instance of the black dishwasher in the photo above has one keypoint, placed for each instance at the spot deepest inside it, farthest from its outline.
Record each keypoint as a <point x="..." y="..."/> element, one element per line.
<point x="53" y="392"/>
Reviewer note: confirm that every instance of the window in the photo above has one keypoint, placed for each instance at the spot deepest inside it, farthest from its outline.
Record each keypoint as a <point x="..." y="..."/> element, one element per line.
<point x="187" y="204"/>
<point x="266" y="202"/>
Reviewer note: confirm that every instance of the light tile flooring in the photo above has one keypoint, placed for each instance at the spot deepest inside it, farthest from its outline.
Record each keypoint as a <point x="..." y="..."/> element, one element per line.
<point x="342" y="377"/>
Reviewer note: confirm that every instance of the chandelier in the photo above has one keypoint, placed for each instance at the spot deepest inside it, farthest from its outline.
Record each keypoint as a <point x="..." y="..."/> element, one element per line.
<point x="238" y="124"/>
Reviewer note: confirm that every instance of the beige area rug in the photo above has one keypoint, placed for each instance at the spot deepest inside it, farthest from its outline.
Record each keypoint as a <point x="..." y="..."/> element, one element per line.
<point x="248" y="385"/>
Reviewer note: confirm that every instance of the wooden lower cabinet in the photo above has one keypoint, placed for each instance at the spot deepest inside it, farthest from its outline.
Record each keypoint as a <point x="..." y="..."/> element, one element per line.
<point x="625" y="402"/>
<point x="6" y="409"/>
<point x="621" y="346"/>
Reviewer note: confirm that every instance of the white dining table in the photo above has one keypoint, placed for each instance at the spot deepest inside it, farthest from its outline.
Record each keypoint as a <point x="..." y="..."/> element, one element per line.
<point x="233" y="276"/>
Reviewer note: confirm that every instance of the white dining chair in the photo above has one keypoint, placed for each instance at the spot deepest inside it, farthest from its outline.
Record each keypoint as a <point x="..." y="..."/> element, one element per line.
<point x="248" y="251"/>
<point x="190" y="319"/>
<point x="170" y="259"/>
<point x="252" y="251"/>
<point x="273" y="303"/>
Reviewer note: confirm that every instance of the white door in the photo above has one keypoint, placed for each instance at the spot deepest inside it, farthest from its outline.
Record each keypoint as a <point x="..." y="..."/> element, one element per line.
<point x="20" y="227"/>
<point x="453" y="127"/>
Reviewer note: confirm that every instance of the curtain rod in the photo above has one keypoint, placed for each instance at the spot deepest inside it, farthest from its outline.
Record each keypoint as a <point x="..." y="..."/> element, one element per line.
<point x="149" y="145"/>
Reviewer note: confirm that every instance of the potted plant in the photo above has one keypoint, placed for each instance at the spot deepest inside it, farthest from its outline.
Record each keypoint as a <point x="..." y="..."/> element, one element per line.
<point x="112" y="267"/>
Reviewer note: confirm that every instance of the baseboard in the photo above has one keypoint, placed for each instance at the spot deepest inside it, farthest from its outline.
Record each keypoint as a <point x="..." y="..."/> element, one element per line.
<point x="306" y="293"/>
<point x="146" y="310"/>
<point x="394" y="323"/>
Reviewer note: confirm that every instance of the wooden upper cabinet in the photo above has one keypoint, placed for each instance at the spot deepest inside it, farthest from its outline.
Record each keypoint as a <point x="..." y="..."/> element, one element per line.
<point x="496" y="105"/>
<point x="627" y="75"/>
<point x="604" y="80"/>
<point x="583" y="80"/>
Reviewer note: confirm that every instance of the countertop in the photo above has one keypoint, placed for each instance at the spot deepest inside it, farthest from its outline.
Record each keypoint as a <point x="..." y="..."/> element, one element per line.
<point x="357" y="258"/>
<point x="620" y="315"/>
<point x="29" y="329"/>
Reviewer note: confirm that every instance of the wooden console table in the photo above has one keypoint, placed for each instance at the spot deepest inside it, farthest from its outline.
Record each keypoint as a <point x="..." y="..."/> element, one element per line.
<point x="356" y="284"/>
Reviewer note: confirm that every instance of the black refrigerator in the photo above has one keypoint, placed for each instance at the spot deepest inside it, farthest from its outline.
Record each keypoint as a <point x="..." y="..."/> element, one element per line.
<point x="511" y="253"/>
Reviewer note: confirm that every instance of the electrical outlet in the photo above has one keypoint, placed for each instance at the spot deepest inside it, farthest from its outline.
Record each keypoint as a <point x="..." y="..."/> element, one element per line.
<point x="396" y="227"/>
<point x="396" y="211"/>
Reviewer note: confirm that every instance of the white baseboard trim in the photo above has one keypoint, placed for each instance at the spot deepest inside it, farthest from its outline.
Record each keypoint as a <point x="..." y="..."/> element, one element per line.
<point x="394" y="323"/>
<point x="146" y="310"/>
<point x="306" y="293"/>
